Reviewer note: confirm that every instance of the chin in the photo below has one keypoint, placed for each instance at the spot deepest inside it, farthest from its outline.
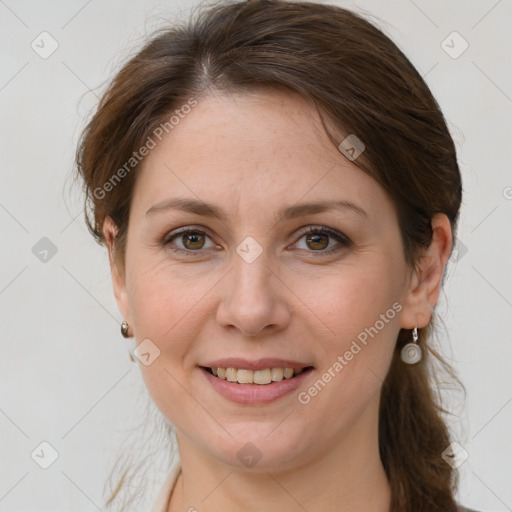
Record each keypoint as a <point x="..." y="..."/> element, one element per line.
<point x="258" y="451"/>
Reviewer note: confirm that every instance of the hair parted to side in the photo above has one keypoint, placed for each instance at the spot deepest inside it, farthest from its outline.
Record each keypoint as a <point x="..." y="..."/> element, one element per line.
<point x="360" y="83"/>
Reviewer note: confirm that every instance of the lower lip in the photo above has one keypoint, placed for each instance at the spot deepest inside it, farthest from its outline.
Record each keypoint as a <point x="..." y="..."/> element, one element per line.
<point x="255" y="394"/>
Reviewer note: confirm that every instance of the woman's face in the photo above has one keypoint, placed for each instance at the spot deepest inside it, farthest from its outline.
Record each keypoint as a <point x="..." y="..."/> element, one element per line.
<point x="248" y="288"/>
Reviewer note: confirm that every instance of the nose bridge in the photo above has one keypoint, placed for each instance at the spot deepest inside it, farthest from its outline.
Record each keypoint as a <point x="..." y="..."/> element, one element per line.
<point x="251" y="300"/>
<point x="251" y="284"/>
<point x="253" y="273"/>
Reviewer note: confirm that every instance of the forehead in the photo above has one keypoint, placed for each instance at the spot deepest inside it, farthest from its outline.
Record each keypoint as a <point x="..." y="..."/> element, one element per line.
<point x="260" y="148"/>
<point x="255" y="126"/>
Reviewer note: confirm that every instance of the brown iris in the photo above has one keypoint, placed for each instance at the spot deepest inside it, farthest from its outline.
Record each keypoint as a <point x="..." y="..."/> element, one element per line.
<point x="315" y="239"/>
<point x="194" y="238"/>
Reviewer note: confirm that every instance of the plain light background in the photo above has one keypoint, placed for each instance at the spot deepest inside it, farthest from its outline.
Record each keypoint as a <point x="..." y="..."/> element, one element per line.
<point x="66" y="378"/>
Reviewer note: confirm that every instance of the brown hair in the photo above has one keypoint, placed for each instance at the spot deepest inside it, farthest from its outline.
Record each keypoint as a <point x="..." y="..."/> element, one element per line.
<point x="361" y="83"/>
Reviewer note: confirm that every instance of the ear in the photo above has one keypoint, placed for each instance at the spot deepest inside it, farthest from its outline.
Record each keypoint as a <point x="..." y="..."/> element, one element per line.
<point x="427" y="278"/>
<point x="110" y="231"/>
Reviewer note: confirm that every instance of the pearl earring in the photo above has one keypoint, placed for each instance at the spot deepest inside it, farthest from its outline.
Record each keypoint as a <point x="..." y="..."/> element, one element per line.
<point x="411" y="353"/>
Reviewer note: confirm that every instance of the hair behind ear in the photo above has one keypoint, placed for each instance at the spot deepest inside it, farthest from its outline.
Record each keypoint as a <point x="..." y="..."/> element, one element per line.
<point x="413" y="435"/>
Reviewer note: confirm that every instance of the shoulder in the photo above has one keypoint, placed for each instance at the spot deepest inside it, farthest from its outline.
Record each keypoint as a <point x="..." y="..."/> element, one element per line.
<point x="464" y="509"/>
<point x="161" y="502"/>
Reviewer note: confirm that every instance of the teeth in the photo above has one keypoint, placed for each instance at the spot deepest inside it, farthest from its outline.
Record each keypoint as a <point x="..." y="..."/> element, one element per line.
<point x="262" y="376"/>
<point x="265" y="376"/>
<point x="244" y="376"/>
<point x="277" y="374"/>
<point x="230" y="374"/>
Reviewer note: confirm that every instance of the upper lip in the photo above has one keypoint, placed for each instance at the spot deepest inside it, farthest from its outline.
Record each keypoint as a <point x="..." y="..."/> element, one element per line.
<point x="257" y="364"/>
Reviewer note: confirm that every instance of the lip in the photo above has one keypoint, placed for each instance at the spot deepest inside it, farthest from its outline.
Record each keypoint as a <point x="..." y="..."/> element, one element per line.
<point x="259" y="364"/>
<point x="255" y="394"/>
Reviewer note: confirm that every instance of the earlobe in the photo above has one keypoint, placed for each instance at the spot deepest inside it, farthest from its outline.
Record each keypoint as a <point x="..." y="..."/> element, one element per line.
<point x="110" y="231"/>
<point x="425" y="285"/>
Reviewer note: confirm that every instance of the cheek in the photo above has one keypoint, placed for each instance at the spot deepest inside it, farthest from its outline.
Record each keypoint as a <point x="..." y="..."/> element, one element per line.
<point x="347" y="302"/>
<point x="165" y="315"/>
<point x="168" y="308"/>
<point x="355" y="362"/>
<point x="358" y="312"/>
<point x="163" y="295"/>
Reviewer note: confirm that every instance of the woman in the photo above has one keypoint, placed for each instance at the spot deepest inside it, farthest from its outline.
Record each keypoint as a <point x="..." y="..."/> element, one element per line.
<point x="278" y="192"/>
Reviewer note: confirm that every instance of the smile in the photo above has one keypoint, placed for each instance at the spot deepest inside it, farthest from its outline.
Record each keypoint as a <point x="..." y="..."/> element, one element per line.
<point x="255" y="387"/>
<point x="262" y="377"/>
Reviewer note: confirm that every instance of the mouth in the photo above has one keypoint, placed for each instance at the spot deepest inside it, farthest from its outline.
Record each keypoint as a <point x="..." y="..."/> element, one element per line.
<point x="261" y="377"/>
<point x="255" y="387"/>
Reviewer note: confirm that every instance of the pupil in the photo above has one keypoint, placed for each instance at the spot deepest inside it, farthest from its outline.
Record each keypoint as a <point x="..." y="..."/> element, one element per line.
<point x="193" y="238"/>
<point x="315" y="240"/>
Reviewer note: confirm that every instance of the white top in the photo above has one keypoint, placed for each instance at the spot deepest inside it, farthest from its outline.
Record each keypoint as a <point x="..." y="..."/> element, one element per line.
<point x="162" y="500"/>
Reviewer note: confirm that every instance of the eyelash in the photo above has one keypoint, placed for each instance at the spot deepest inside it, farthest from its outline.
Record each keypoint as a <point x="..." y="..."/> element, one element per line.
<point x="313" y="230"/>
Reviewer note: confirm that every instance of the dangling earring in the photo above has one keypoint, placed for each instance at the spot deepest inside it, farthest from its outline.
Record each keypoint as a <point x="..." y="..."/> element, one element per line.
<point x="124" y="329"/>
<point x="411" y="353"/>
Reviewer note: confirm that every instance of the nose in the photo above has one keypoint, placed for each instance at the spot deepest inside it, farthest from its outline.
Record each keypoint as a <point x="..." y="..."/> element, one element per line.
<point x="254" y="299"/>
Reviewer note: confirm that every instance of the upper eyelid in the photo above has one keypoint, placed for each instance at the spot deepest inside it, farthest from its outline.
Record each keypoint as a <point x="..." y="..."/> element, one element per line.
<point x="205" y="230"/>
<point x="328" y="231"/>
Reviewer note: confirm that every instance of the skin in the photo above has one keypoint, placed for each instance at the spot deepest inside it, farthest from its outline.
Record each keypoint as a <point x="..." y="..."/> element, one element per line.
<point x="251" y="155"/>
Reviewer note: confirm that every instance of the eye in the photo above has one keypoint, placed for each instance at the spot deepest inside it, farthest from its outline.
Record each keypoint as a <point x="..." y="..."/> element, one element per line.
<point x="317" y="239"/>
<point x="192" y="240"/>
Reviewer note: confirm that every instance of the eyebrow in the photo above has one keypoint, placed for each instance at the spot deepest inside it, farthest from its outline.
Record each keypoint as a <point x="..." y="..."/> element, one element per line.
<point x="199" y="207"/>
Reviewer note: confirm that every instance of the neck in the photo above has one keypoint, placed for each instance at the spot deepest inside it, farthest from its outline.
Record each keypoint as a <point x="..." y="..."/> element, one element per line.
<point x="349" y="476"/>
